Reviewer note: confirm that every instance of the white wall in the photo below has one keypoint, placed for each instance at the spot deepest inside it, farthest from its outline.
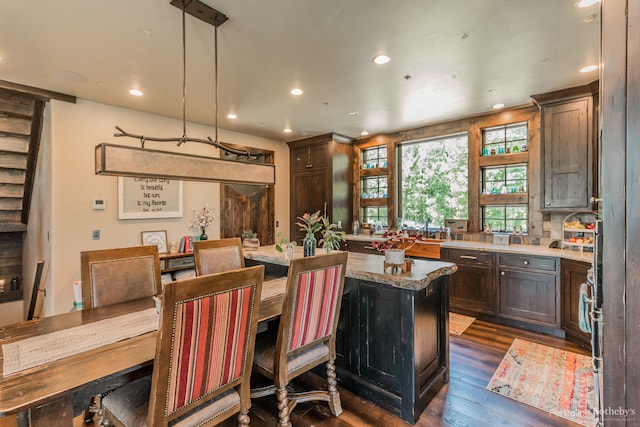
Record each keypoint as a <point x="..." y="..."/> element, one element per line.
<point x="75" y="130"/>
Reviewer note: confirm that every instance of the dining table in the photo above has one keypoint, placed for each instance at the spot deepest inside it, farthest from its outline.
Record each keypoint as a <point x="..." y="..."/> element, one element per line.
<point x="52" y="393"/>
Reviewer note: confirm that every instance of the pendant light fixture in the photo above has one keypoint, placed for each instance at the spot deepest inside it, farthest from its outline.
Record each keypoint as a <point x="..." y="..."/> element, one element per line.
<point x="140" y="162"/>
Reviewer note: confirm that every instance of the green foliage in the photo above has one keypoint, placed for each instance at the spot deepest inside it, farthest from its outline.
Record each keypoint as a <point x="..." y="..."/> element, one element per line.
<point x="434" y="180"/>
<point x="331" y="238"/>
<point x="310" y="223"/>
<point x="283" y="242"/>
<point x="249" y="234"/>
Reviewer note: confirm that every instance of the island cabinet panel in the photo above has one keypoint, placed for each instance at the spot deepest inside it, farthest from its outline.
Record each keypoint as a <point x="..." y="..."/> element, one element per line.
<point x="379" y="326"/>
<point x="574" y="274"/>
<point x="528" y="289"/>
<point x="471" y="287"/>
<point x="399" y="350"/>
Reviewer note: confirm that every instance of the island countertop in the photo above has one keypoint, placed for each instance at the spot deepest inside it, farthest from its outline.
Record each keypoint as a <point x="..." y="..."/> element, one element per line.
<point x="369" y="267"/>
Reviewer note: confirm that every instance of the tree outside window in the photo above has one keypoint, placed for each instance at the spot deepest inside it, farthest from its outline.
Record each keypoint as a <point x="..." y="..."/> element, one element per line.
<point x="433" y="180"/>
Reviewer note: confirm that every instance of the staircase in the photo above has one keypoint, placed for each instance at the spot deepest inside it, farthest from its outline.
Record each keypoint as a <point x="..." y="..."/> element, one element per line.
<point x="20" y="131"/>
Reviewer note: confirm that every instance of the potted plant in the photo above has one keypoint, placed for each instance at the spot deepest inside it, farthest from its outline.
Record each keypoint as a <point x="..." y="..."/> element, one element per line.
<point x="250" y="240"/>
<point x="394" y="247"/>
<point x="310" y="224"/>
<point x="331" y="237"/>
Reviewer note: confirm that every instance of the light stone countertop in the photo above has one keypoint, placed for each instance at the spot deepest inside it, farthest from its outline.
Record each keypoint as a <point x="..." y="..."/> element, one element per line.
<point x="370" y="267"/>
<point x="571" y="254"/>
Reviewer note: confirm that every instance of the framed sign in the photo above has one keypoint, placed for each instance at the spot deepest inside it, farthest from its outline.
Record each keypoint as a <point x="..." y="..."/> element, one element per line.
<point x="157" y="238"/>
<point x="149" y="198"/>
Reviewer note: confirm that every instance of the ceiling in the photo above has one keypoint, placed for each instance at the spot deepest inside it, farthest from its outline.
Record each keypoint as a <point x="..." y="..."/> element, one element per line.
<point x="449" y="58"/>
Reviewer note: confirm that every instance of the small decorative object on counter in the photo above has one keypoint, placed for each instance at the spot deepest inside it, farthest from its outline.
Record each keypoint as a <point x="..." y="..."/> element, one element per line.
<point x="309" y="245"/>
<point x="250" y="240"/>
<point x="516" y="149"/>
<point x="355" y="228"/>
<point x="285" y="246"/>
<point x="332" y="238"/>
<point x="202" y="220"/>
<point x="525" y="148"/>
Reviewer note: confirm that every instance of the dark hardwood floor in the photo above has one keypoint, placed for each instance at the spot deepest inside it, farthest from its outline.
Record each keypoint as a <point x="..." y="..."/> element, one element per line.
<point x="475" y="355"/>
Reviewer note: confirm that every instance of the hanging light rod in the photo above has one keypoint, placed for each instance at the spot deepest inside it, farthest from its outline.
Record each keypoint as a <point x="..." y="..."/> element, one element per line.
<point x="117" y="160"/>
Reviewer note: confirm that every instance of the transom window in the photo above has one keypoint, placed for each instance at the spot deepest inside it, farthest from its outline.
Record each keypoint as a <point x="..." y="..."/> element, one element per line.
<point x="505" y="139"/>
<point x="375" y="157"/>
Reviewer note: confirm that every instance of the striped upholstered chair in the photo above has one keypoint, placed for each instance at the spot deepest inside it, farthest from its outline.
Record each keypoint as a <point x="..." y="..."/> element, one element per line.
<point x="204" y="355"/>
<point x="215" y="256"/>
<point x="306" y="335"/>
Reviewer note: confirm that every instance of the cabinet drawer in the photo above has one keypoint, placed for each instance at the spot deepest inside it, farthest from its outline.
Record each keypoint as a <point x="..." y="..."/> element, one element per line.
<point x="528" y="261"/>
<point x="461" y="255"/>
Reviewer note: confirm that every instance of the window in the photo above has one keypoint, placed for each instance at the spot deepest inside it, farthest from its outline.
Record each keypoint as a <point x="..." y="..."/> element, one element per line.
<point x="505" y="217"/>
<point x="374" y="190"/>
<point x="504" y="139"/>
<point x="374" y="158"/>
<point x="433" y="180"/>
<point x="374" y="187"/>
<point x="374" y="215"/>
<point x="504" y="178"/>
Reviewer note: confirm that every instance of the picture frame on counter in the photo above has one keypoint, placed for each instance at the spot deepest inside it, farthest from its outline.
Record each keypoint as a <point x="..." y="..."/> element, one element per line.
<point x="141" y="198"/>
<point x="155" y="238"/>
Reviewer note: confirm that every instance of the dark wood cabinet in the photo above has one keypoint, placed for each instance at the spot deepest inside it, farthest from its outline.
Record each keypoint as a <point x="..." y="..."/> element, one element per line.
<point x="359" y="246"/>
<point x="321" y="176"/>
<point x="568" y="146"/>
<point x="574" y="274"/>
<point x="471" y="287"/>
<point x="528" y="289"/>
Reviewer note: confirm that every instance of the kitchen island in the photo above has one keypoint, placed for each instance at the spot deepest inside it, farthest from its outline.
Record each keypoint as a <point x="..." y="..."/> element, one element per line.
<point x="392" y="343"/>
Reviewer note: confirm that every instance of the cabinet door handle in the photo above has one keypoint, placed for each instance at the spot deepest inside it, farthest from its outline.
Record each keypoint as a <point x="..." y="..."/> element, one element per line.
<point x="468" y="257"/>
<point x="548" y="203"/>
<point x="525" y="262"/>
<point x="502" y="273"/>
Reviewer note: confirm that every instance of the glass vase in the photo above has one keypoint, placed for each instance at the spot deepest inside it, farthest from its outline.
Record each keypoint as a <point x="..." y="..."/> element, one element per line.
<point x="309" y="244"/>
<point x="204" y="236"/>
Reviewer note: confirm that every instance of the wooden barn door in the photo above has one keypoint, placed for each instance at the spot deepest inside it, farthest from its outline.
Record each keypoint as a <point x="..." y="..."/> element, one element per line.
<point x="248" y="207"/>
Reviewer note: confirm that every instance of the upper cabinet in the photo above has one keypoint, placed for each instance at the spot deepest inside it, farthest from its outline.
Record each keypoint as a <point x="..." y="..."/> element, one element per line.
<point x="568" y="144"/>
<point x="321" y="178"/>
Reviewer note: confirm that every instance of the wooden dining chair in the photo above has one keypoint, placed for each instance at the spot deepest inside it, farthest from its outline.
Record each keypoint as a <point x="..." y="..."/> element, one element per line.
<point x="214" y="256"/>
<point x="110" y="276"/>
<point x="204" y="355"/>
<point x="306" y="336"/>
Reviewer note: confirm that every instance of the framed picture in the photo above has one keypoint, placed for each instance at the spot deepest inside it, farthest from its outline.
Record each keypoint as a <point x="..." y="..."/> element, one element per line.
<point x="158" y="238"/>
<point x="140" y="198"/>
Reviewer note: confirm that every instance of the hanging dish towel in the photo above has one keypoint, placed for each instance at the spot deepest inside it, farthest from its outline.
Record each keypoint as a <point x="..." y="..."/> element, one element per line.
<point x="583" y="312"/>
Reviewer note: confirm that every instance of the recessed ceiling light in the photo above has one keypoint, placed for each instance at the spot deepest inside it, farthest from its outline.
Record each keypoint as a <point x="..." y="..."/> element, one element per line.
<point x="135" y="92"/>
<point x="498" y="106"/>
<point x="364" y="133"/>
<point x="296" y="91"/>
<point x="232" y="116"/>
<point x="352" y="113"/>
<point x="286" y="130"/>
<point x="381" y="59"/>
<point x="587" y="3"/>
<point x="589" y="68"/>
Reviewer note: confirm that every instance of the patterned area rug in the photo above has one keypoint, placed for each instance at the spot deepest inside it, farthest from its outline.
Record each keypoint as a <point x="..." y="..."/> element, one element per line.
<point x="459" y="322"/>
<point x="557" y="381"/>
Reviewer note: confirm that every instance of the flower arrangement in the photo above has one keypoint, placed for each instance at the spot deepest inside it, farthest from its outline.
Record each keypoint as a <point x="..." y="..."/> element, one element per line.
<point x="203" y="219"/>
<point x="394" y="240"/>
<point x="310" y="223"/>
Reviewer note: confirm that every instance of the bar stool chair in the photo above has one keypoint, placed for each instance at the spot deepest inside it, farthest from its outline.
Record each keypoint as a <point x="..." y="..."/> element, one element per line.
<point x="214" y="256"/>
<point x="204" y="355"/>
<point x="306" y="334"/>
<point x="110" y="276"/>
